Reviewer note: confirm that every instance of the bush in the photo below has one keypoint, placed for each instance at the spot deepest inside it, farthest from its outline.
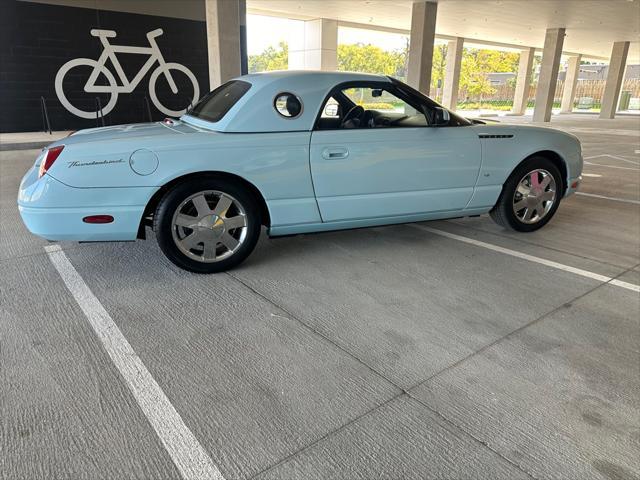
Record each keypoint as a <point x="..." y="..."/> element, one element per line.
<point x="377" y="106"/>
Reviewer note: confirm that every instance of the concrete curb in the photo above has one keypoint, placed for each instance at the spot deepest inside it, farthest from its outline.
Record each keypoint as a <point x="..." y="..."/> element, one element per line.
<point x="23" y="145"/>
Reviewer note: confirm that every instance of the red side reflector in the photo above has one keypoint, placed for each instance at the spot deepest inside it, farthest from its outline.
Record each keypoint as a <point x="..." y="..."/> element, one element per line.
<point x="98" y="219"/>
<point x="51" y="156"/>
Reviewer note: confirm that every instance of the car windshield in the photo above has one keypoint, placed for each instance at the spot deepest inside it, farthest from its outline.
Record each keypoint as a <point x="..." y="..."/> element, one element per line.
<point x="214" y="106"/>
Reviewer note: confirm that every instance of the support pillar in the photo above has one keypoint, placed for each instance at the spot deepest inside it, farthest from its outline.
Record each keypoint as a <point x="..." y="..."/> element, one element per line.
<point x="548" y="78"/>
<point x="523" y="82"/>
<point x="244" y="56"/>
<point x="317" y="49"/>
<point x="452" y="74"/>
<point x="223" y="39"/>
<point x="570" y="82"/>
<point x="615" y="76"/>
<point x="423" y="31"/>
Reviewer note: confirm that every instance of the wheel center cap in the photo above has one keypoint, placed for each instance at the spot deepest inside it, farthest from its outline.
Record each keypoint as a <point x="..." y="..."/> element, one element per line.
<point x="213" y="223"/>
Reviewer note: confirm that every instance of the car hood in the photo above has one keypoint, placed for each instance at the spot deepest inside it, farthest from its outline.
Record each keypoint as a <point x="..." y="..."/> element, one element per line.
<point x="127" y="132"/>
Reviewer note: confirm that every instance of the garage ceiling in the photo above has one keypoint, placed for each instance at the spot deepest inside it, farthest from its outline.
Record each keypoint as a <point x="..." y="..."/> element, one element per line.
<point x="592" y="26"/>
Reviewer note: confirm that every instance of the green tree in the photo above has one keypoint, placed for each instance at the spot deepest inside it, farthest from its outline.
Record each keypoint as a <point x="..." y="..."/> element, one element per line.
<point x="473" y="73"/>
<point x="478" y="63"/>
<point x="271" y="58"/>
<point x="371" y="59"/>
<point x="438" y="65"/>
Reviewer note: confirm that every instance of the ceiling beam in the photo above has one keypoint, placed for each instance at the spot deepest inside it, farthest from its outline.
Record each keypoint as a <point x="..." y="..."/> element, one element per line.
<point x="401" y="31"/>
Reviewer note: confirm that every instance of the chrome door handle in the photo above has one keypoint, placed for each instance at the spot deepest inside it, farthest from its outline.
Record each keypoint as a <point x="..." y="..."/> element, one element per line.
<point x="335" y="153"/>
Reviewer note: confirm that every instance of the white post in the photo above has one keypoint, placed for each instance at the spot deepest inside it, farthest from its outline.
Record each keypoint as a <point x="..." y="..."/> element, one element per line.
<point x="223" y="40"/>
<point x="548" y="78"/>
<point x="570" y="82"/>
<point x="523" y="82"/>
<point x="317" y="49"/>
<point x="452" y="73"/>
<point x="423" y="31"/>
<point x="614" y="79"/>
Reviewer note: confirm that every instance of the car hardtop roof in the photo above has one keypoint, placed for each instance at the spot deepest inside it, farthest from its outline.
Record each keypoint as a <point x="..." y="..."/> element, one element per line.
<point x="311" y="76"/>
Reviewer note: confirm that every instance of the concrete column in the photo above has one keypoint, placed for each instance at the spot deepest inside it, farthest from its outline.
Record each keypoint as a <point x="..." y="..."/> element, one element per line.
<point x="317" y="49"/>
<point x="523" y="81"/>
<point x="423" y="31"/>
<point x="223" y="39"/>
<point x="614" y="79"/>
<point x="553" y="41"/>
<point x="452" y="74"/>
<point x="244" y="56"/>
<point x="570" y="82"/>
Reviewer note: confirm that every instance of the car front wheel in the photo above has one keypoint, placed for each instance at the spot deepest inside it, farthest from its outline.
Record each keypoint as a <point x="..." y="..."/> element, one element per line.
<point x="207" y="225"/>
<point x="530" y="196"/>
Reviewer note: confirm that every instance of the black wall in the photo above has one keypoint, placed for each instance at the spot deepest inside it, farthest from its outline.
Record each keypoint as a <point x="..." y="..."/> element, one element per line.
<point x="37" y="39"/>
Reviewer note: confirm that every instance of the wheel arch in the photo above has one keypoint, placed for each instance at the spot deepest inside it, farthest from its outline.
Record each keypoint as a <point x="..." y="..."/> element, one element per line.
<point x="557" y="160"/>
<point x="157" y="196"/>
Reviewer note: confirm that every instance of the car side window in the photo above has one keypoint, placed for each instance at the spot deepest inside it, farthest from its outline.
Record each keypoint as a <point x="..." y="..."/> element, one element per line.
<point x="369" y="107"/>
<point x="331" y="109"/>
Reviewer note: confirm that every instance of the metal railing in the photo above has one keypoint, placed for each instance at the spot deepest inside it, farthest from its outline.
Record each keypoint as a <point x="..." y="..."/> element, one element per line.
<point x="46" y="124"/>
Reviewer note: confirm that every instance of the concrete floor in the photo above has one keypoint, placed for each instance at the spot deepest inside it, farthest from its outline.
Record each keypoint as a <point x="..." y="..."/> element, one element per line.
<point x="391" y="352"/>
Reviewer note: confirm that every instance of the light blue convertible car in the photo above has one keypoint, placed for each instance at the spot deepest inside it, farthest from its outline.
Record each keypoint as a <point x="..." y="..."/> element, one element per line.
<point x="297" y="152"/>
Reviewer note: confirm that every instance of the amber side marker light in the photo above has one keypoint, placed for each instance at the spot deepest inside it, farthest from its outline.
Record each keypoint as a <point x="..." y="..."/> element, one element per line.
<point x="98" y="219"/>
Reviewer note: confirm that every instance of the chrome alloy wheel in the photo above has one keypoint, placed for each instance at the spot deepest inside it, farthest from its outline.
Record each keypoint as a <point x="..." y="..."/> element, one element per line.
<point x="209" y="226"/>
<point x="534" y="197"/>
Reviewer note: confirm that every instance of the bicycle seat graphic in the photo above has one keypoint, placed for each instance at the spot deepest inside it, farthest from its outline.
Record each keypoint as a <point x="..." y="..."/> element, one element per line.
<point x="126" y="86"/>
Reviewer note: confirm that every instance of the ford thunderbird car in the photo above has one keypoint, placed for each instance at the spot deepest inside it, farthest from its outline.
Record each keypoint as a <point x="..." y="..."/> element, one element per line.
<point x="295" y="152"/>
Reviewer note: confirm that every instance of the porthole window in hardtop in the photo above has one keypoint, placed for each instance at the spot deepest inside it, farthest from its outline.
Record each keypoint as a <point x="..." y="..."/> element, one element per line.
<point x="288" y="105"/>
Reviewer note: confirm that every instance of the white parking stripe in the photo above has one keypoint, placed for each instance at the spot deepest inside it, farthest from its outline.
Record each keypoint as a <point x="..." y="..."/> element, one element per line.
<point x="187" y="453"/>
<point x="615" y="199"/>
<point x="615" y="157"/>
<point x="611" y="166"/>
<point x="531" y="258"/>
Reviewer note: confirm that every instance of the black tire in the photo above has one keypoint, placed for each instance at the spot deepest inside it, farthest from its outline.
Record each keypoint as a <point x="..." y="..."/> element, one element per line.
<point x="503" y="212"/>
<point x="163" y="222"/>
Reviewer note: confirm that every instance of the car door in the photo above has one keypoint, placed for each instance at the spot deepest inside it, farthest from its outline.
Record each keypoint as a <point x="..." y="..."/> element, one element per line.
<point x="361" y="173"/>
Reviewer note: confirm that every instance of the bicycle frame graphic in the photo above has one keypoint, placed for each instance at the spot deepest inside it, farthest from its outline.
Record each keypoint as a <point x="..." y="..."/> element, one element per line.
<point x="126" y="86"/>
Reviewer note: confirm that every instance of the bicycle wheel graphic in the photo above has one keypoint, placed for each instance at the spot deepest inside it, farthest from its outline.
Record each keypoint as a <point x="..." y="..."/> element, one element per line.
<point x="154" y="96"/>
<point x="85" y="62"/>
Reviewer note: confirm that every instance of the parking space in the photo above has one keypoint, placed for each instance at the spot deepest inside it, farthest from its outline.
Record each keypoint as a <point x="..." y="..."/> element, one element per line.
<point x="436" y="350"/>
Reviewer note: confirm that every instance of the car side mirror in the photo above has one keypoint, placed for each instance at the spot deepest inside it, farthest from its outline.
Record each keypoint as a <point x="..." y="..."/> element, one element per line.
<point x="441" y="117"/>
<point x="376" y="92"/>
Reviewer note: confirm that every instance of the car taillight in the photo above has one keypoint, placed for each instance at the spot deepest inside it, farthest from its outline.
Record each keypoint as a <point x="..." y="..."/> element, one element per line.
<point x="50" y="156"/>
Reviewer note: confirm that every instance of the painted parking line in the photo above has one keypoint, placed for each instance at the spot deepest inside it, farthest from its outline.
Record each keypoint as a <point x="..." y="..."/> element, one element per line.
<point x="531" y="258"/>
<point x="187" y="453"/>
<point x="615" y="157"/>
<point x="612" y="166"/>
<point x="614" y="199"/>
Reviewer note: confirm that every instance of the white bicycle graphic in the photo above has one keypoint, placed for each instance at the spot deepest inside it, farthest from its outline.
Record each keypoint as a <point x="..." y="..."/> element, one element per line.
<point x="99" y="66"/>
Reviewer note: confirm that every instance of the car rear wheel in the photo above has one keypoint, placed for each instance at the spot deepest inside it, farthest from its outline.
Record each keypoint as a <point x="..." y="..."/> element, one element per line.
<point x="530" y="196"/>
<point x="207" y="225"/>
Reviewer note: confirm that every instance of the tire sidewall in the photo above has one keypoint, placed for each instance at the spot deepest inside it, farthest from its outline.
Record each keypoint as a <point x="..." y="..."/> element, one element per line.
<point x="506" y="198"/>
<point x="163" y="219"/>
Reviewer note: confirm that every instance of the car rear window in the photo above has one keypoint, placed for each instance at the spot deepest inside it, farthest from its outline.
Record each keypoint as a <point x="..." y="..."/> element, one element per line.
<point x="215" y="105"/>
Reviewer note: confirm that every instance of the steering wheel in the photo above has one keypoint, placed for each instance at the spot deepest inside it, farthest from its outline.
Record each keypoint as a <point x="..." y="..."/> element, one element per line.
<point x="355" y="113"/>
<point x="367" y="119"/>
